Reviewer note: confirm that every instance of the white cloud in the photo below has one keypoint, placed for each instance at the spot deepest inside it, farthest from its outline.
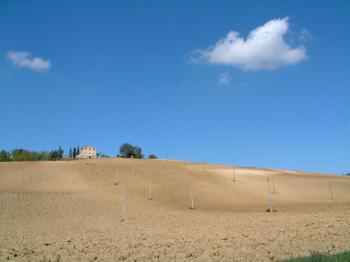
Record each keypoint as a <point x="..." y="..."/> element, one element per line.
<point x="224" y="79"/>
<point x="25" y="60"/>
<point x="264" y="48"/>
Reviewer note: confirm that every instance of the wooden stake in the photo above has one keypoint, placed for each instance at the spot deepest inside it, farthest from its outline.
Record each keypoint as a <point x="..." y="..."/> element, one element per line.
<point x="234" y="175"/>
<point x="331" y="189"/>
<point x="270" y="202"/>
<point x="123" y="204"/>
<point x="150" y="192"/>
<point x="116" y="176"/>
<point x="270" y="195"/>
<point x="192" y="201"/>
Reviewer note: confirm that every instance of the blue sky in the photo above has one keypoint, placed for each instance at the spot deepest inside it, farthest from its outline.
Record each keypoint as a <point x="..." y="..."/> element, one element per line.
<point x="169" y="78"/>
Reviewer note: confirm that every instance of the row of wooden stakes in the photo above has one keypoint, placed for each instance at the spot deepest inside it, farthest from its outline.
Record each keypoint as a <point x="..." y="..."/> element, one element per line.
<point x="271" y="191"/>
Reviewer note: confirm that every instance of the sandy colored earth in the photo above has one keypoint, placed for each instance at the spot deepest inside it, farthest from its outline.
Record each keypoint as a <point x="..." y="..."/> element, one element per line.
<point x="71" y="211"/>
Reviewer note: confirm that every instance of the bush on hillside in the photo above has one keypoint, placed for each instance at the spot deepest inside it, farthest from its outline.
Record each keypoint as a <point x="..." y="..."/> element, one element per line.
<point x="151" y="156"/>
<point x="101" y="155"/>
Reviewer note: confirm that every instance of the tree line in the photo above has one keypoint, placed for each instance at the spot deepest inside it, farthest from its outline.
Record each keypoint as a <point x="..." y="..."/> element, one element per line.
<point x="126" y="150"/>
<point x="27" y="155"/>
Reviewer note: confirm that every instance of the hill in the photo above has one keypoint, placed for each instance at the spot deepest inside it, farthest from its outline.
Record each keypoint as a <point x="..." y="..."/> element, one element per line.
<point x="71" y="210"/>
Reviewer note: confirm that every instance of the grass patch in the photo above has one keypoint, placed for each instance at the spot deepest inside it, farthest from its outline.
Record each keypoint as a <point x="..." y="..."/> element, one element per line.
<point x="318" y="257"/>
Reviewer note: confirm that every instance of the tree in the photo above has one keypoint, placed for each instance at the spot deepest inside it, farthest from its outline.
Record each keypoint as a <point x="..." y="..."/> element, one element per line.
<point x="78" y="151"/>
<point x="56" y="154"/>
<point x="53" y="155"/>
<point x="138" y="152"/>
<point x="26" y="155"/>
<point x="70" y="153"/>
<point x="126" y="150"/>
<point x="60" y="152"/>
<point x="152" y="156"/>
<point x="130" y="151"/>
<point x="5" y="156"/>
<point x="74" y="152"/>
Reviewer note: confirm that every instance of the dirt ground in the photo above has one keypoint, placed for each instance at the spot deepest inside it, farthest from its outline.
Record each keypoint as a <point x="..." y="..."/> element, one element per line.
<point x="71" y="211"/>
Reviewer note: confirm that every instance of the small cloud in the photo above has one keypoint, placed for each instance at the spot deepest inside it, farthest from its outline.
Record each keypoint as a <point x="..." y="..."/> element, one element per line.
<point x="305" y="35"/>
<point x="24" y="59"/>
<point x="224" y="79"/>
<point x="264" y="48"/>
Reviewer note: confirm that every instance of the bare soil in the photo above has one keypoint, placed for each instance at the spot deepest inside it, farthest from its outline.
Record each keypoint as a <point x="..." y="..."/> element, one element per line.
<point x="70" y="211"/>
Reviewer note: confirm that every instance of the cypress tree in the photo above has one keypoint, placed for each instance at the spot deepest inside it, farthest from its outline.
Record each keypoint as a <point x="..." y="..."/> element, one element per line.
<point x="60" y="153"/>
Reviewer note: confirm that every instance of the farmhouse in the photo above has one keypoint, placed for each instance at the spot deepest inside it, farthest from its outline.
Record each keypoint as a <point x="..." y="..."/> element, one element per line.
<point x="87" y="152"/>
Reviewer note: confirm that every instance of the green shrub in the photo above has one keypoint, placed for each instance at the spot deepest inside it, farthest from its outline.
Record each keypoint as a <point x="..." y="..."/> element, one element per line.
<point x="318" y="257"/>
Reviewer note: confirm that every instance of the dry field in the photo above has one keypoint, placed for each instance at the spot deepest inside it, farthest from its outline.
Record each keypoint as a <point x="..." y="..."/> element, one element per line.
<point x="70" y="211"/>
